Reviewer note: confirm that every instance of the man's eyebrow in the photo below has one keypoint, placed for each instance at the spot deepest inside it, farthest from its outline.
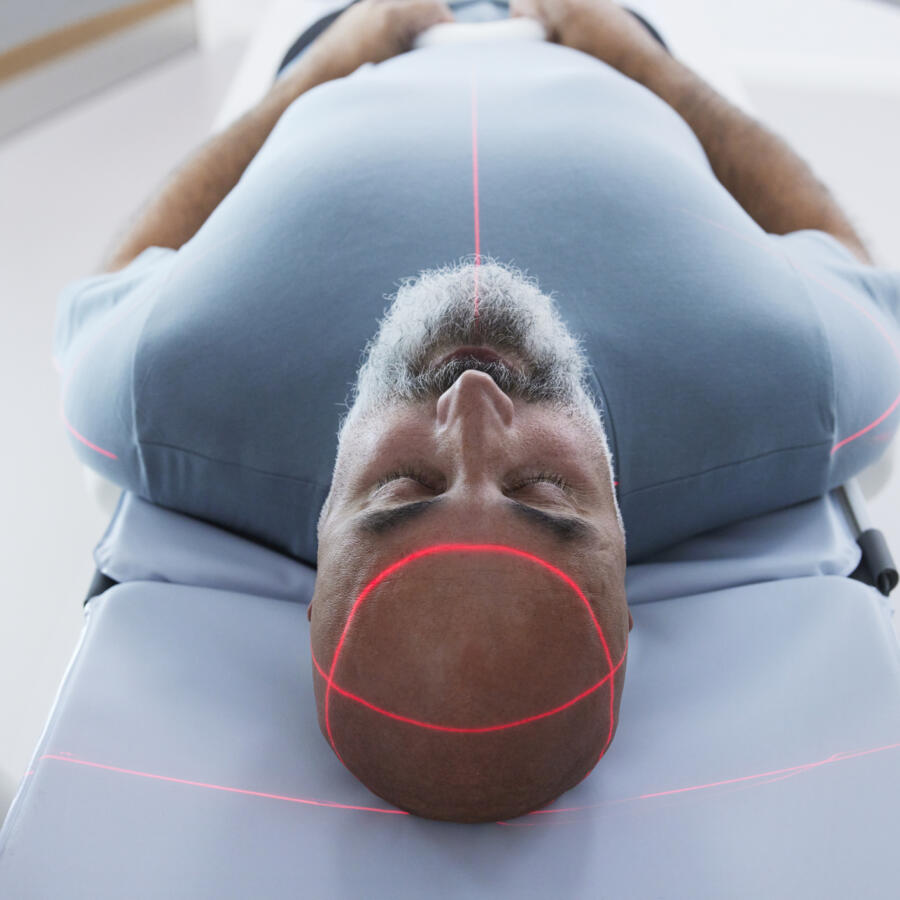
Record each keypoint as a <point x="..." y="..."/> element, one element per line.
<point x="565" y="528"/>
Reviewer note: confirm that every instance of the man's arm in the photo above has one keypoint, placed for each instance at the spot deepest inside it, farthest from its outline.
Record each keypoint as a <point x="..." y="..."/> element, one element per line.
<point x="367" y="32"/>
<point x="196" y="188"/>
<point x="769" y="180"/>
<point x="776" y="188"/>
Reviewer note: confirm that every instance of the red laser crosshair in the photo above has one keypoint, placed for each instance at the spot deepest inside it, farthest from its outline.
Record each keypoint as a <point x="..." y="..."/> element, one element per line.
<point x="607" y="679"/>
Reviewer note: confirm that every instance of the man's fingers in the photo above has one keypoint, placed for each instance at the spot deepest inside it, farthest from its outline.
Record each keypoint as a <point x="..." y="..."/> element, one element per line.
<point x="414" y="16"/>
<point x="423" y="16"/>
<point x="446" y="14"/>
<point x="407" y="19"/>
<point x="523" y="8"/>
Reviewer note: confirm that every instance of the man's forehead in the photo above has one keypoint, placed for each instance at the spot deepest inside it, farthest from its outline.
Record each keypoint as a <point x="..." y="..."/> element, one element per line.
<point x="349" y="558"/>
<point x="349" y="548"/>
<point x="482" y="572"/>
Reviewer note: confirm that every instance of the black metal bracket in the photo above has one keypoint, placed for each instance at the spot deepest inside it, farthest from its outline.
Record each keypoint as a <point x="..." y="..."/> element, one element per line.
<point x="876" y="556"/>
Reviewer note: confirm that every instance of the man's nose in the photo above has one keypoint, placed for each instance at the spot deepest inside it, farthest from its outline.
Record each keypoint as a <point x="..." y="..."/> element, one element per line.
<point x="475" y="419"/>
<point x="476" y="406"/>
<point x="475" y="423"/>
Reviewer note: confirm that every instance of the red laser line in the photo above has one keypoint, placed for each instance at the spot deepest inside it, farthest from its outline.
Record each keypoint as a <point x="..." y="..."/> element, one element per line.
<point x="67" y="376"/>
<point x="868" y="427"/>
<point x="122" y="310"/>
<point x="881" y="329"/>
<point x="465" y="548"/>
<point x="66" y="379"/>
<point x="63" y="756"/>
<point x="475" y="203"/>
<point x="832" y="290"/>
<point x="459" y="730"/>
<point x="80" y="436"/>
<point x="221" y="787"/>
<point x="790" y="770"/>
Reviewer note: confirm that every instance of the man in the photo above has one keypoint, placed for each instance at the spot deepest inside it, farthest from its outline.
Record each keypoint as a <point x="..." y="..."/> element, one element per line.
<point x="719" y="347"/>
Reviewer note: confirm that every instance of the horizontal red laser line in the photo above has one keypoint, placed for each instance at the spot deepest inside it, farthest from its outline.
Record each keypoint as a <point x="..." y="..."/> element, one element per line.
<point x="790" y="770"/>
<point x="220" y="787"/>
<point x="62" y="756"/>
<point x="478" y="548"/>
<point x="460" y="729"/>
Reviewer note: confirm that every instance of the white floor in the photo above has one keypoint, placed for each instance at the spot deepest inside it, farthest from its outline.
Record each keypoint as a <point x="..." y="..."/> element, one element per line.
<point x="68" y="184"/>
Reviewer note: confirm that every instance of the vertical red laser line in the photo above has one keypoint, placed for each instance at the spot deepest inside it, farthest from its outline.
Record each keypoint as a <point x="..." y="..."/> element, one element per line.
<point x="475" y="205"/>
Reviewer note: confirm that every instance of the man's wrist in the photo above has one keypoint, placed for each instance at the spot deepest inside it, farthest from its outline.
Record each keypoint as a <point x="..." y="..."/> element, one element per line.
<point x="621" y="42"/>
<point x="769" y="180"/>
<point x="182" y="205"/>
<point x="658" y="71"/>
<point x="303" y="75"/>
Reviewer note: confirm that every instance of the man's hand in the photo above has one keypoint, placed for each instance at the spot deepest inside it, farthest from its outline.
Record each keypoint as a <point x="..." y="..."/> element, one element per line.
<point x="371" y="31"/>
<point x="598" y="27"/>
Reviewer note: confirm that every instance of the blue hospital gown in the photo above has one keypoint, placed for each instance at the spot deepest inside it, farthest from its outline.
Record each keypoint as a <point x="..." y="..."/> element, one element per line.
<point x="738" y="372"/>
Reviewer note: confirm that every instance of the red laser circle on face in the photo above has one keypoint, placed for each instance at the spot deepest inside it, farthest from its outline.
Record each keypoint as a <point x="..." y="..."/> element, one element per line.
<point x="609" y="678"/>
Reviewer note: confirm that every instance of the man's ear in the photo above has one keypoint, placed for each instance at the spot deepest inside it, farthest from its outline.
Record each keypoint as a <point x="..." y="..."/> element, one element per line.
<point x="309" y="613"/>
<point x="630" y="620"/>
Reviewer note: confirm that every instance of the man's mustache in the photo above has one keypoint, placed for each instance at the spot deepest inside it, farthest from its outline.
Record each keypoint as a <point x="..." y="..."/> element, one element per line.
<point x="533" y="385"/>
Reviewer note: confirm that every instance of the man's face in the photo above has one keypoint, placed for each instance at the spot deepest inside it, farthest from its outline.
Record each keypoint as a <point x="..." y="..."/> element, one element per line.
<point x="475" y="431"/>
<point x="476" y="465"/>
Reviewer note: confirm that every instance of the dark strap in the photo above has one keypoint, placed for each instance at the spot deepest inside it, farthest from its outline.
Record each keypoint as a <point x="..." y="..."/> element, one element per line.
<point x="310" y="35"/>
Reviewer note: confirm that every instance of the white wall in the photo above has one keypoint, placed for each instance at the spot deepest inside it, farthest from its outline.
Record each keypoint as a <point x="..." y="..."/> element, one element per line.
<point x="38" y="91"/>
<point x="24" y="20"/>
<point x="223" y="21"/>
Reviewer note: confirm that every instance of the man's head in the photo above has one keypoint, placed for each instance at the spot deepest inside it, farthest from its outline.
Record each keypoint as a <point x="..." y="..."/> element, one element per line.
<point x="471" y="684"/>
